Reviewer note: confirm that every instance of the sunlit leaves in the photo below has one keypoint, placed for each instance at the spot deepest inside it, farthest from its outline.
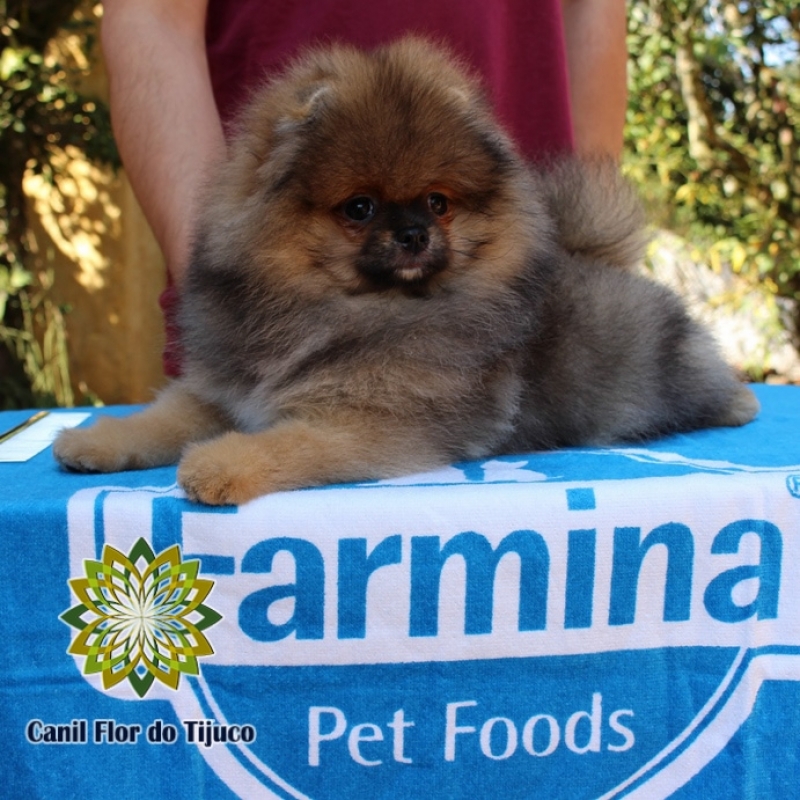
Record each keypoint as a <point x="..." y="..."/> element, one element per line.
<point x="42" y="116"/>
<point x="743" y="185"/>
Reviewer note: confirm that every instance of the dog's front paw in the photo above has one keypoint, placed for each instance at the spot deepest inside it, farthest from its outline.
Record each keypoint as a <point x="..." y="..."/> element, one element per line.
<point x="220" y="472"/>
<point x="112" y="444"/>
<point x="95" y="449"/>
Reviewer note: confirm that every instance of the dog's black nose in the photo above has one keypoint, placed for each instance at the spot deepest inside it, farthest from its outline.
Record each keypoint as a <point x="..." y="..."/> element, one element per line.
<point x="414" y="238"/>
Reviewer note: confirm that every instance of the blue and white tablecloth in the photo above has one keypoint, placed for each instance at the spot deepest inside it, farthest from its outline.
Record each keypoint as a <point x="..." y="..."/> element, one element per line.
<point x="585" y="623"/>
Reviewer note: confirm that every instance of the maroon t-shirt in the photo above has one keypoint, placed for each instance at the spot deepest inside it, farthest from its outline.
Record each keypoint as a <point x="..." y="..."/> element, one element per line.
<point x="516" y="46"/>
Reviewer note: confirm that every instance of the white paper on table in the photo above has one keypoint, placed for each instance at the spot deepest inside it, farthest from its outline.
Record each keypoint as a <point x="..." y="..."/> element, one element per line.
<point x="32" y="439"/>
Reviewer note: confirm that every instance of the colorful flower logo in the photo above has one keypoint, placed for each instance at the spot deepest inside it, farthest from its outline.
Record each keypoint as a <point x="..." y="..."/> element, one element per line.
<point x="141" y="617"/>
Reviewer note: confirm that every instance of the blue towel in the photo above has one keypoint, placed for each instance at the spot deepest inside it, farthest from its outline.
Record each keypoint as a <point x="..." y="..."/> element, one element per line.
<point x="581" y="623"/>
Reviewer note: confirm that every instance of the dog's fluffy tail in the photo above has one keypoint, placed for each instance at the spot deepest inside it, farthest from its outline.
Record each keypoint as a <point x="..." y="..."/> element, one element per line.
<point x="597" y="212"/>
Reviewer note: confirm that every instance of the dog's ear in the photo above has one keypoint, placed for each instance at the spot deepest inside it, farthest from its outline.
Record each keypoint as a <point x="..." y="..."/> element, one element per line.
<point x="309" y="101"/>
<point x="290" y="130"/>
<point x="313" y="98"/>
<point x="463" y="96"/>
<point x="283" y="106"/>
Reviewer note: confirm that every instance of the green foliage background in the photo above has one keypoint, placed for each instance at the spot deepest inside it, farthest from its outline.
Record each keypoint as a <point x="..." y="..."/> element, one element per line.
<point x="713" y="129"/>
<point x="40" y="115"/>
<point x="712" y="139"/>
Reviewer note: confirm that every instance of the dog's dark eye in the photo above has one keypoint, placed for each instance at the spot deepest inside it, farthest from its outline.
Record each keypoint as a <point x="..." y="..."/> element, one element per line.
<point x="359" y="209"/>
<point x="437" y="203"/>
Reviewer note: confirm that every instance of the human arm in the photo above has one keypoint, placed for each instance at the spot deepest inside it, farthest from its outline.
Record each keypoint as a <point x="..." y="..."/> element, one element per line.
<point x="595" y="35"/>
<point x="163" y="112"/>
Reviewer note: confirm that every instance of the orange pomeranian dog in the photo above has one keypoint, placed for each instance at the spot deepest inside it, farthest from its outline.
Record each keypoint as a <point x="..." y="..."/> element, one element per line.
<point x="380" y="285"/>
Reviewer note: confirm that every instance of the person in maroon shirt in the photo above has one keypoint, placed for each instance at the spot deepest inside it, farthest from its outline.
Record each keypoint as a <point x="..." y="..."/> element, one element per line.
<point x="516" y="46"/>
<point x="178" y="72"/>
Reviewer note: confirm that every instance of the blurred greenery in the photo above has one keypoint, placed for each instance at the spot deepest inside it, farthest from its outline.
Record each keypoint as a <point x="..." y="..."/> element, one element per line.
<point x="40" y="114"/>
<point x="713" y="129"/>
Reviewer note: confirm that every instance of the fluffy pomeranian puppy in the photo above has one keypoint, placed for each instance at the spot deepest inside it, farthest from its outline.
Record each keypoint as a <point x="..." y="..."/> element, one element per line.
<point x="380" y="285"/>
